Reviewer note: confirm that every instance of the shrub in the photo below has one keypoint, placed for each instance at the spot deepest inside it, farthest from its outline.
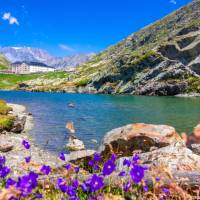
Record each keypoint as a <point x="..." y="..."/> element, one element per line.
<point x="6" y="122"/>
<point x="194" y="84"/>
<point x="4" y="108"/>
<point x="82" y="83"/>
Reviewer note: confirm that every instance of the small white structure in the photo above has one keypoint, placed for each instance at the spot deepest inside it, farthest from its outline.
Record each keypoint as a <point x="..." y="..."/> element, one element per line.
<point x="30" y="67"/>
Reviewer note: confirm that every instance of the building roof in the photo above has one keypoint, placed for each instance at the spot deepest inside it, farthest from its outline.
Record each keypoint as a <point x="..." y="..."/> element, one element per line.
<point x="33" y="64"/>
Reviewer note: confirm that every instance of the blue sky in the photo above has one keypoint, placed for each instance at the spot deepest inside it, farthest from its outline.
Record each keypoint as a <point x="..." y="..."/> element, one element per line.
<point x="65" y="27"/>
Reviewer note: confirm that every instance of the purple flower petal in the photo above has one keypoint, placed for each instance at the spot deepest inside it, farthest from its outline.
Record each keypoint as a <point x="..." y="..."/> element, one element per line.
<point x="108" y="168"/>
<point x="26" y="144"/>
<point x="62" y="156"/>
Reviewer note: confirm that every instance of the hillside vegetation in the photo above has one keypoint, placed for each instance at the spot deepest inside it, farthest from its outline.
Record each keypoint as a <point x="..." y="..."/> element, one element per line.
<point x="161" y="59"/>
<point x="4" y="64"/>
<point x="10" y="81"/>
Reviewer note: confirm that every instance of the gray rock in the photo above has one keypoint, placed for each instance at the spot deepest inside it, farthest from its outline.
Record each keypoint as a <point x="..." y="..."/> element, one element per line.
<point x="195" y="148"/>
<point x="175" y="157"/>
<point x="78" y="155"/>
<point x="75" y="144"/>
<point x="19" y="124"/>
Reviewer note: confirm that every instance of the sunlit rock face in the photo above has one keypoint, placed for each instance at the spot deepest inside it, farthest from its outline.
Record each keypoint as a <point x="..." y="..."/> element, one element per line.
<point x="138" y="138"/>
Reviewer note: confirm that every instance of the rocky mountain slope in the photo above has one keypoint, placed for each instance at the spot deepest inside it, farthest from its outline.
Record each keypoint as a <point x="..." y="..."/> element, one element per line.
<point x="14" y="54"/>
<point x="161" y="59"/>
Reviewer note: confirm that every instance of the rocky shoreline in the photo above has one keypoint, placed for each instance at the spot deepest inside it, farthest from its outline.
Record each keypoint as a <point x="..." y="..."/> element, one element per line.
<point x="189" y="95"/>
<point x="15" y="154"/>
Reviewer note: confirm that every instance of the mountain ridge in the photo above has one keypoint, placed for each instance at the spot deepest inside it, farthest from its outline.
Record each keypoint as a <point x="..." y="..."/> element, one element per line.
<point x="140" y="64"/>
<point x="20" y="54"/>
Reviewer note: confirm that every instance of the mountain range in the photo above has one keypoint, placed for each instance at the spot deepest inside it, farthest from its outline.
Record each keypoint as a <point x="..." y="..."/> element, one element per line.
<point x="28" y="54"/>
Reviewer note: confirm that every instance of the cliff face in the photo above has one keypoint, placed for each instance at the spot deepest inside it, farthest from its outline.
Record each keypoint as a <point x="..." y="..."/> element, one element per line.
<point x="161" y="59"/>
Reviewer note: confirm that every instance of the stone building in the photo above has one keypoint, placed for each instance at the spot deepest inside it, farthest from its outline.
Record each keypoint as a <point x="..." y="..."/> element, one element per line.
<point x="30" y="67"/>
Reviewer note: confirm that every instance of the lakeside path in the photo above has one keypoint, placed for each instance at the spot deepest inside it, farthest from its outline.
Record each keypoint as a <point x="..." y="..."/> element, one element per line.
<point x="15" y="158"/>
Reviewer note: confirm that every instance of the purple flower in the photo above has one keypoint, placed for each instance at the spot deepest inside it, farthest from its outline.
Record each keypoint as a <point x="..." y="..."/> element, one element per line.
<point x="4" y="171"/>
<point x="75" y="183"/>
<point x="10" y="182"/>
<point x="97" y="157"/>
<point x="137" y="173"/>
<point x="38" y="196"/>
<point x="26" y="144"/>
<point x="13" y="198"/>
<point x="28" y="159"/>
<point x="67" y="166"/>
<point x="71" y="191"/>
<point x="96" y="167"/>
<point x="2" y="160"/>
<point x="45" y="169"/>
<point x="146" y="188"/>
<point x="91" y="163"/>
<point x="136" y="158"/>
<point x="157" y="179"/>
<point x="123" y="173"/>
<point x="27" y="183"/>
<point x="62" y="156"/>
<point x="76" y="169"/>
<point x="61" y="185"/>
<point x="91" y="198"/>
<point x="108" y="168"/>
<point x="165" y="190"/>
<point x="127" y="163"/>
<point x="126" y="186"/>
<point x="114" y="157"/>
<point x="84" y="186"/>
<point x="96" y="183"/>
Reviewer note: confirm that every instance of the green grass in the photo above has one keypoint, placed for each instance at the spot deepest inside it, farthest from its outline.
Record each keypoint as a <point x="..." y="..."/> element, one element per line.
<point x="8" y="81"/>
<point x="54" y="75"/>
<point x="140" y="58"/>
<point x="6" y="121"/>
<point x="82" y="83"/>
<point x="194" y="85"/>
<point x="4" y="108"/>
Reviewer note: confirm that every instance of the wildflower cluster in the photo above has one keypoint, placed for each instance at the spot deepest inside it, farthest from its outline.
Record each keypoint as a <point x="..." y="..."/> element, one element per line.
<point x="4" y="170"/>
<point x="74" y="187"/>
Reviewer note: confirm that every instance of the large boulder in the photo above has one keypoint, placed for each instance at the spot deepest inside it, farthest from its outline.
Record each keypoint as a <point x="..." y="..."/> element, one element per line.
<point x="193" y="141"/>
<point x="175" y="157"/>
<point x="19" y="124"/>
<point x="6" y="144"/>
<point x="138" y="137"/>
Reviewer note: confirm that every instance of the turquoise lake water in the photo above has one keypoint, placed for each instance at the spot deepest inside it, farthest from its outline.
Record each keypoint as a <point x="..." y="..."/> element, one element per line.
<point x="94" y="115"/>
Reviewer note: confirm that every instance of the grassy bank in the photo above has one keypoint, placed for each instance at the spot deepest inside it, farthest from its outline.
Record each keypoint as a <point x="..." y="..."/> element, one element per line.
<point x="8" y="81"/>
<point x="6" y="121"/>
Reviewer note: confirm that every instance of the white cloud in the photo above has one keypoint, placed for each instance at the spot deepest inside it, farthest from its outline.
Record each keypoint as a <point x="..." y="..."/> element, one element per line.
<point x="10" y="18"/>
<point x="6" y="16"/>
<point x="173" y="2"/>
<point x="13" y="20"/>
<point x="66" y="47"/>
